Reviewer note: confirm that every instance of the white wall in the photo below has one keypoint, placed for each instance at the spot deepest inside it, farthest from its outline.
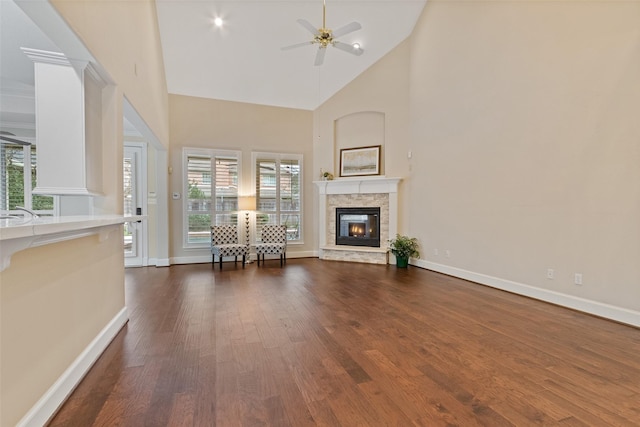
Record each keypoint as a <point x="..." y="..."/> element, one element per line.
<point x="207" y="123"/>
<point x="55" y="301"/>
<point x="50" y="314"/>
<point x="377" y="105"/>
<point x="524" y="125"/>
<point x="124" y="37"/>
<point x="521" y="118"/>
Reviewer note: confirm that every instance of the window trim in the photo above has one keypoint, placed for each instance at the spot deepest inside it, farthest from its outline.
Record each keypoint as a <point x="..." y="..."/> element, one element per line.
<point x="254" y="177"/>
<point x="211" y="153"/>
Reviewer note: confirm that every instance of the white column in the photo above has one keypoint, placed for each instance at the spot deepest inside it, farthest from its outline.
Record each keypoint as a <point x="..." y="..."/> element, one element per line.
<point x="62" y="110"/>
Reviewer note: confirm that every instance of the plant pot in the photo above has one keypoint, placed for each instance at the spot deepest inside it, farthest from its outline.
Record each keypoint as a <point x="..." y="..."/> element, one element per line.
<point x="402" y="262"/>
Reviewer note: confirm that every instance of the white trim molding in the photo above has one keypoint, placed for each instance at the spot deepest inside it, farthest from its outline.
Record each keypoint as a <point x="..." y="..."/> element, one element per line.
<point x="37" y="55"/>
<point x="618" y="314"/>
<point x="53" y="398"/>
<point x="361" y="185"/>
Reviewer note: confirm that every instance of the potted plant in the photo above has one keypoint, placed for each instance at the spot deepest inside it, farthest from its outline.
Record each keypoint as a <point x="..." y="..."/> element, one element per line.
<point x="404" y="247"/>
<point x="327" y="176"/>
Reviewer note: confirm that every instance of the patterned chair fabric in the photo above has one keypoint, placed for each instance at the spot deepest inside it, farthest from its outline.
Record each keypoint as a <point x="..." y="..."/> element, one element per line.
<point x="274" y="242"/>
<point x="224" y="243"/>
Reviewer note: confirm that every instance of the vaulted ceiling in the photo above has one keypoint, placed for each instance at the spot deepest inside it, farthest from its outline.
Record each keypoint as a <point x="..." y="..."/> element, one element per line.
<point x="243" y="60"/>
<point x="240" y="61"/>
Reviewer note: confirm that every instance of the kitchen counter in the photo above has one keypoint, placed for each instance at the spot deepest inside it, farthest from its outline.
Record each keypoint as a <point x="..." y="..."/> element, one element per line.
<point x="22" y="233"/>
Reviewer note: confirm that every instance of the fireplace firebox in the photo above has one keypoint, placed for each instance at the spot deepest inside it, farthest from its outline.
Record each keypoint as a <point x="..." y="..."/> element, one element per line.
<point x="358" y="226"/>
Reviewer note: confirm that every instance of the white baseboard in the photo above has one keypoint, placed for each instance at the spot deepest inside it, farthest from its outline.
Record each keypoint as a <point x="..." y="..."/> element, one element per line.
<point x="619" y="314"/>
<point x="302" y="254"/>
<point x="194" y="259"/>
<point x="53" y="398"/>
<point x="162" y="262"/>
<point x="200" y="259"/>
<point x="157" y="262"/>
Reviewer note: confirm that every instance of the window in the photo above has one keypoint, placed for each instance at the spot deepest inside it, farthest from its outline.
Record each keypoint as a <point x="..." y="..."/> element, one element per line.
<point x="278" y="179"/>
<point x="16" y="185"/>
<point x="211" y="192"/>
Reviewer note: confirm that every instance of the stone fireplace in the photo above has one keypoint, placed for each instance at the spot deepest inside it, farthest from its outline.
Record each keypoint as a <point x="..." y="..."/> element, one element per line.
<point x="377" y="193"/>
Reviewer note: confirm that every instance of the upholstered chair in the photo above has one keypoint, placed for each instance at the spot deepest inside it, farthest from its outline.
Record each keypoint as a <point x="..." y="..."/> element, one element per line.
<point x="224" y="243"/>
<point x="273" y="242"/>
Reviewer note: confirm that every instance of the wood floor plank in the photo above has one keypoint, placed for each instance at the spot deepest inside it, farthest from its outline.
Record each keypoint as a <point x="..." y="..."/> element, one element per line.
<point x="321" y="343"/>
<point x="322" y="414"/>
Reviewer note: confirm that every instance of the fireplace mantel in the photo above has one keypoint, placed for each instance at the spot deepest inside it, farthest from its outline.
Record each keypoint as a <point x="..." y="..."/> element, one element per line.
<point x="360" y="185"/>
<point x="377" y="185"/>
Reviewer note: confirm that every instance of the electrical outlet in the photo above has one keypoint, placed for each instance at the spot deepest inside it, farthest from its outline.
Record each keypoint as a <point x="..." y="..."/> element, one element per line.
<point x="578" y="279"/>
<point x="448" y="253"/>
<point x="436" y="252"/>
<point x="550" y="273"/>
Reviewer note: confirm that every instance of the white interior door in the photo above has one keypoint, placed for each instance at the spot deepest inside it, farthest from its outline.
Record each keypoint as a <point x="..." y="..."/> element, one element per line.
<point x="134" y="236"/>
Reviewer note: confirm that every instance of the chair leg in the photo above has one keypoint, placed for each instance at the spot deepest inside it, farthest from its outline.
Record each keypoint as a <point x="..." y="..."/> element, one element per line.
<point x="220" y="258"/>
<point x="258" y="255"/>
<point x="280" y="260"/>
<point x="235" y="261"/>
<point x="243" y="260"/>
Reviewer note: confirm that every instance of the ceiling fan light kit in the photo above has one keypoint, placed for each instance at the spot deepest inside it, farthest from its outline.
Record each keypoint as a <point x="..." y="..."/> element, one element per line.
<point x="325" y="37"/>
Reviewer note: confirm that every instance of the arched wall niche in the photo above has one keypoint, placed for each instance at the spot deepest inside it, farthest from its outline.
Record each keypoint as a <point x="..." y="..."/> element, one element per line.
<point x="361" y="129"/>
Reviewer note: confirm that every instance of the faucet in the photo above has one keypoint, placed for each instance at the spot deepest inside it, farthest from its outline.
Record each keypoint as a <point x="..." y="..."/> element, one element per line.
<point x="29" y="211"/>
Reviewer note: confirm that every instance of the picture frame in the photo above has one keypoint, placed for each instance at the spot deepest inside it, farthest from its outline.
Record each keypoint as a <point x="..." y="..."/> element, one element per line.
<point x="360" y="161"/>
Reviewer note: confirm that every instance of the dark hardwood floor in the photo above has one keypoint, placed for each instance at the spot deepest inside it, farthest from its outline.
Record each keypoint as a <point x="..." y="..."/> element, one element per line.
<point x="341" y="344"/>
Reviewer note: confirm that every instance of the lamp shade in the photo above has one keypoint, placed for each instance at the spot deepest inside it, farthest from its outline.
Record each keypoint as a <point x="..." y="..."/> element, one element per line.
<point x="247" y="203"/>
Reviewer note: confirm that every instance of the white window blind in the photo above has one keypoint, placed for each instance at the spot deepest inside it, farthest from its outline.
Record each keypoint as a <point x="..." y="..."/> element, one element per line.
<point x="211" y="183"/>
<point x="278" y="179"/>
<point x="16" y="185"/>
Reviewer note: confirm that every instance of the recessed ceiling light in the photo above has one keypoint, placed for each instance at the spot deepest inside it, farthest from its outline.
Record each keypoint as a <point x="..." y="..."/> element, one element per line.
<point x="218" y="22"/>
<point x="356" y="46"/>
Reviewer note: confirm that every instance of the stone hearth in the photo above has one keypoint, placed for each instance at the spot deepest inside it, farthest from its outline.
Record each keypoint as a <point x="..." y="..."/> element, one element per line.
<point x="357" y="192"/>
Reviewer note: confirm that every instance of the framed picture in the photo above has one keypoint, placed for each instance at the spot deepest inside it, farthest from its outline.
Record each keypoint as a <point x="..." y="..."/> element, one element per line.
<point x="360" y="161"/>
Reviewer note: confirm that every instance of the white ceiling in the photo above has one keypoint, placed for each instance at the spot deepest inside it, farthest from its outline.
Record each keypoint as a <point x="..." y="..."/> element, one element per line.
<point x="17" y="104"/>
<point x="243" y="60"/>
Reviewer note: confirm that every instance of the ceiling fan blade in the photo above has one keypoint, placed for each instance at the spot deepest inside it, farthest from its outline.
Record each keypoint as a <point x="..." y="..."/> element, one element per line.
<point x="3" y="137"/>
<point x="354" y="26"/>
<point x="348" y="48"/>
<point x="306" y="24"/>
<point x="293" y="46"/>
<point x="320" y="56"/>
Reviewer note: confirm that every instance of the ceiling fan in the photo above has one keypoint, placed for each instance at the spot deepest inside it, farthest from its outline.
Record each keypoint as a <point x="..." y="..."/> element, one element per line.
<point x="325" y="37"/>
<point x="6" y="136"/>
